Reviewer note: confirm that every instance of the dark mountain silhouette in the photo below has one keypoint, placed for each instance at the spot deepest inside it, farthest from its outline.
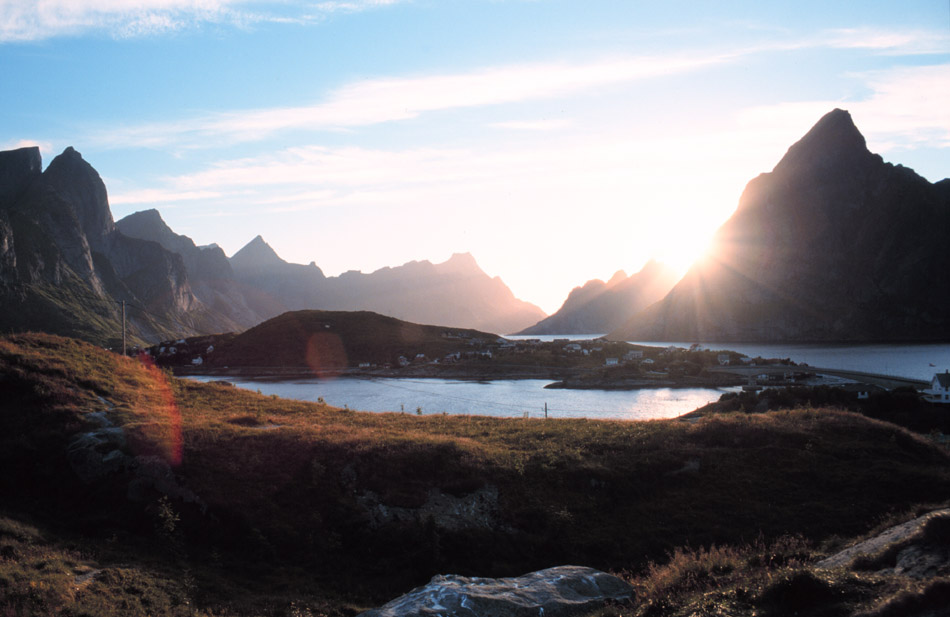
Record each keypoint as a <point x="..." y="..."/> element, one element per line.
<point x="64" y="266"/>
<point x="600" y="307"/>
<point x="833" y="245"/>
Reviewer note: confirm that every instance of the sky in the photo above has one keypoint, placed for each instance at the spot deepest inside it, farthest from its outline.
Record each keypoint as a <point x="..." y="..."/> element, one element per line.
<point x="556" y="141"/>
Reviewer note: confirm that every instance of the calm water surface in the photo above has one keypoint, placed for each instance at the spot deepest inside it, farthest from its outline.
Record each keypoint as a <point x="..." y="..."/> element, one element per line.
<point x="515" y="398"/>
<point x="503" y="398"/>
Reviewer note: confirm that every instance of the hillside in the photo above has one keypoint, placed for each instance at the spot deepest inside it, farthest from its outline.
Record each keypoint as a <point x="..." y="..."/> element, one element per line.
<point x="833" y="245"/>
<point x="129" y="492"/>
<point x="599" y="307"/>
<point x="332" y="340"/>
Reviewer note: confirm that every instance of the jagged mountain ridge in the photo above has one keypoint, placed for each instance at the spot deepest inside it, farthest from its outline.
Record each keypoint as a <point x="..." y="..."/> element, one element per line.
<point x="598" y="307"/>
<point x="454" y="293"/>
<point x="833" y="245"/>
<point x="64" y="267"/>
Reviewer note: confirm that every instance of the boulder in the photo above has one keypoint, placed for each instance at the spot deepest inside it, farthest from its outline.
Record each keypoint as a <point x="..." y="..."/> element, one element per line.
<point x="555" y="592"/>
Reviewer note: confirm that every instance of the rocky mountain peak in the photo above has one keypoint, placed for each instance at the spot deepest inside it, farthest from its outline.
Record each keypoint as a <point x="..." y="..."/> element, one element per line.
<point x="78" y="184"/>
<point x="834" y="143"/>
<point x="460" y="263"/>
<point x="618" y="277"/>
<point x="18" y="168"/>
<point x="146" y="224"/>
<point x="256" y="254"/>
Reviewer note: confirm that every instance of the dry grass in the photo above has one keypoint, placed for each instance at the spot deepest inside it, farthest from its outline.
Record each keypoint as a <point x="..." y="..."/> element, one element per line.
<point x="279" y="485"/>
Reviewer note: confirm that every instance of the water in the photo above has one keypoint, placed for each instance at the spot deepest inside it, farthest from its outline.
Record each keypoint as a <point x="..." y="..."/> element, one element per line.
<point x="914" y="361"/>
<point x="502" y="398"/>
<point x="513" y="398"/>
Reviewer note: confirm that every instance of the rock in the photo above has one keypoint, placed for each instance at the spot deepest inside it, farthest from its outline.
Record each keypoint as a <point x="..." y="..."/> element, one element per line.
<point x="18" y="168"/>
<point x="560" y="591"/>
<point x="915" y="558"/>
<point x="477" y="510"/>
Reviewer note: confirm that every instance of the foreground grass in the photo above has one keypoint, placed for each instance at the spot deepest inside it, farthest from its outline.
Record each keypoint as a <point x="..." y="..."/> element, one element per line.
<point x="271" y="505"/>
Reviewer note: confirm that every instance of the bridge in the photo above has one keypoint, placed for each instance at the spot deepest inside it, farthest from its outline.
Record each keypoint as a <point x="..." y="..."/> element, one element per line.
<point x="888" y="382"/>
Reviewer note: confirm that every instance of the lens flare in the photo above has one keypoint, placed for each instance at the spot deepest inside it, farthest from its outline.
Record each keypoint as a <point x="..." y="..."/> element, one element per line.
<point x="159" y="433"/>
<point x="326" y="355"/>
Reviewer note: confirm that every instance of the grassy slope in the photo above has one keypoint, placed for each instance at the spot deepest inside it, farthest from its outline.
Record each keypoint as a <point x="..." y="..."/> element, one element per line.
<point x="279" y="517"/>
<point x="335" y="339"/>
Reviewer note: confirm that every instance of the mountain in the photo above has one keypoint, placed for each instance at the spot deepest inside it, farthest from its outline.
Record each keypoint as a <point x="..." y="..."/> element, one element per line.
<point x="65" y="268"/>
<point x="833" y="245"/>
<point x="455" y="293"/>
<point x="600" y="307"/>
<point x="209" y="270"/>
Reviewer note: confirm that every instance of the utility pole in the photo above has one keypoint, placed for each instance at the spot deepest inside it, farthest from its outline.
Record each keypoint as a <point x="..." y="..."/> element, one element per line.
<point x="545" y="409"/>
<point x="123" y="328"/>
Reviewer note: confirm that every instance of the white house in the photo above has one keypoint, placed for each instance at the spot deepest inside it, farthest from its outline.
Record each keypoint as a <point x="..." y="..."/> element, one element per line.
<point x="612" y="362"/>
<point x="633" y="355"/>
<point x="939" y="391"/>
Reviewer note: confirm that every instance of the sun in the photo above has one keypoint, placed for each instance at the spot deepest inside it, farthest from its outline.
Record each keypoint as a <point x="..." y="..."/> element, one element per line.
<point x="689" y="246"/>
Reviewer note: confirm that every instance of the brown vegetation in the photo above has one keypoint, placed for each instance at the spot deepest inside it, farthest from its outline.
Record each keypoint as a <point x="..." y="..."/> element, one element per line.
<point x="274" y="502"/>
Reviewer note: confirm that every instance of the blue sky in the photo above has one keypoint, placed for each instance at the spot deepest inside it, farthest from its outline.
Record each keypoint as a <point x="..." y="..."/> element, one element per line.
<point x="556" y="141"/>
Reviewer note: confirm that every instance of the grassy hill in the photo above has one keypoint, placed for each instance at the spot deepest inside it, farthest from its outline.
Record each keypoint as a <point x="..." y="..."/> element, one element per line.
<point x="325" y="341"/>
<point x="176" y="497"/>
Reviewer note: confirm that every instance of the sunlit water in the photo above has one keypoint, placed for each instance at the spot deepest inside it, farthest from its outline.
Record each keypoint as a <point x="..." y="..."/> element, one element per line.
<point x="919" y="361"/>
<point x="515" y="398"/>
<point x="503" y="398"/>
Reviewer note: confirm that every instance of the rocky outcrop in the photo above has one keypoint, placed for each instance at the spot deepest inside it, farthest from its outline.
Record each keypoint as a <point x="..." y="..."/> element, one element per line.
<point x="18" y="169"/>
<point x="833" y="245"/>
<point x="917" y="549"/>
<point x="476" y="510"/>
<point x="599" y="307"/>
<point x="555" y="592"/>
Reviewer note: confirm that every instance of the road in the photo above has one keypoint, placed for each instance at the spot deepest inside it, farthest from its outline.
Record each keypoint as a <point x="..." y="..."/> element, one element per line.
<point x="888" y="382"/>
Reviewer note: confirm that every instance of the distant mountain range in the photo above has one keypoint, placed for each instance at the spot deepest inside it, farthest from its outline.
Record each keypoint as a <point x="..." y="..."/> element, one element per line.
<point x="599" y="307"/>
<point x="66" y="268"/>
<point x="833" y="245"/>
<point x="455" y="293"/>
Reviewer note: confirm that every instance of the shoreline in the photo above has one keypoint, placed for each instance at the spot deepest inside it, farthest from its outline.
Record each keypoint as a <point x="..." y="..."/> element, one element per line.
<point x="562" y="379"/>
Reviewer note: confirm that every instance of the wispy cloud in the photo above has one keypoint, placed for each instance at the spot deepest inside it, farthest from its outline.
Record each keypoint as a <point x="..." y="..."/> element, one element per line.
<point x="391" y="99"/>
<point x="532" y="125"/>
<point x="905" y="109"/>
<point x="160" y="196"/>
<point x="27" y="20"/>
<point x="891" y="42"/>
